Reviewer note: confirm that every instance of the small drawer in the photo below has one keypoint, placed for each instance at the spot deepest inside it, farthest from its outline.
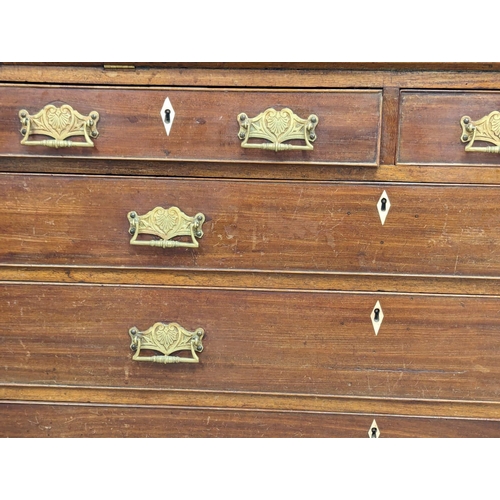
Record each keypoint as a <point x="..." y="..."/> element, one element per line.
<point x="322" y="343"/>
<point x="431" y="132"/>
<point x="266" y="226"/>
<point x="199" y="124"/>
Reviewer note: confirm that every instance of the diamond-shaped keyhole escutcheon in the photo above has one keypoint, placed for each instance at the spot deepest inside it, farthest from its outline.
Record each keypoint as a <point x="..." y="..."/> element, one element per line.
<point x="383" y="206"/>
<point x="167" y="114"/>
<point x="377" y="316"/>
<point x="374" y="431"/>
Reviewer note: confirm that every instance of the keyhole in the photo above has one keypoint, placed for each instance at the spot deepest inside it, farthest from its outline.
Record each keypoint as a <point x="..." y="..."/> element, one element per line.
<point x="167" y="116"/>
<point x="376" y="314"/>
<point x="374" y="432"/>
<point x="383" y="203"/>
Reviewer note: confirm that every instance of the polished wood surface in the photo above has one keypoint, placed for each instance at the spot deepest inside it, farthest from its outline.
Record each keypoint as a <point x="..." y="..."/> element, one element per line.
<point x="204" y="127"/>
<point x="247" y="400"/>
<point x="430" y="128"/>
<point x="74" y="421"/>
<point x="258" y="279"/>
<point x="267" y="341"/>
<point x="416" y="78"/>
<point x="389" y="134"/>
<point x="310" y="65"/>
<point x="293" y="259"/>
<point x="323" y="227"/>
<point x="443" y="174"/>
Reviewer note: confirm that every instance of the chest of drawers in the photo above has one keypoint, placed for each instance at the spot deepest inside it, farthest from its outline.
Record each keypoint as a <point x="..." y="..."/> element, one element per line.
<point x="255" y="251"/>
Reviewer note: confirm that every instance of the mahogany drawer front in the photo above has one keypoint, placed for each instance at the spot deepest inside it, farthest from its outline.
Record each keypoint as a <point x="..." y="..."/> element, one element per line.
<point x="430" y="127"/>
<point x="299" y="226"/>
<point x="204" y="125"/>
<point x="44" y="420"/>
<point x="323" y="343"/>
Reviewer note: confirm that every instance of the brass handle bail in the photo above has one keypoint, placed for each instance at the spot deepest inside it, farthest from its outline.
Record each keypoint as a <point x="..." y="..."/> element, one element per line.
<point x="59" y="123"/>
<point x="167" y="224"/>
<point x="166" y="339"/>
<point x="277" y="127"/>
<point x="486" y="129"/>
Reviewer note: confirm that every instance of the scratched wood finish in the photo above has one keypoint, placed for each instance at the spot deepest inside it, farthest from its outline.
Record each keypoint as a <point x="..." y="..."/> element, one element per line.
<point x="441" y="347"/>
<point x="306" y="172"/>
<point x="320" y="227"/>
<point x="390" y="113"/>
<point x="430" y="129"/>
<point x="419" y="76"/>
<point x="71" y="421"/>
<point x="309" y="65"/>
<point x="253" y="279"/>
<point x="272" y="401"/>
<point x="264" y="372"/>
<point x="205" y="125"/>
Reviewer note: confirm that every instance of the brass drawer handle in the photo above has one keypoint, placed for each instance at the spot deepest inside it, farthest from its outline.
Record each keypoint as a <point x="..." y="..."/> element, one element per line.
<point x="486" y="129"/>
<point x="166" y="223"/>
<point x="59" y="123"/>
<point x="166" y="338"/>
<point x="277" y="127"/>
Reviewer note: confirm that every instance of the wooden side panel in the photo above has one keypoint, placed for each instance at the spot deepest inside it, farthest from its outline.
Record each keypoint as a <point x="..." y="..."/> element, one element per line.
<point x="438" y="347"/>
<point x="430" y="129"/>
<point x="277" y="226"/>
<point x="30" y="420"/>
<point x="205" y="125"/>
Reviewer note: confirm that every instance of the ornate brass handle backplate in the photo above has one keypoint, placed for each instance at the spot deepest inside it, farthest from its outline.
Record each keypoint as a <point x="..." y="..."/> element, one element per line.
<point x="277" y="127"/>
<point x="166" y="338"/>
<point x="167" y="223"/>
<point x="486" y="129"/>
<point x="59" y="123"/>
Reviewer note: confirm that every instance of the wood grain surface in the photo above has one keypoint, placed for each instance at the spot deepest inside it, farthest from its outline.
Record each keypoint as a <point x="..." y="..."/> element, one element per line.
<point x="390" y="121"/>
<point x="430" y="128"/>
<point x="428" y="346"/>
<point x="444" y="174"/>
<point x="309" y="65"/>
<point x="258" y="279"/>
<point x="291" y="265"/>
<point x="205" y="125"/>
<point x="30" y="420"/>
<point x="247" y="400"/>
<point x="320" y="227"/>
<point x="414" y="77"/>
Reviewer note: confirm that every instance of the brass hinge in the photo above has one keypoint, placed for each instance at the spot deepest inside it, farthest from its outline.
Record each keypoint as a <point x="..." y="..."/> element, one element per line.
<point x="118" y="66"/>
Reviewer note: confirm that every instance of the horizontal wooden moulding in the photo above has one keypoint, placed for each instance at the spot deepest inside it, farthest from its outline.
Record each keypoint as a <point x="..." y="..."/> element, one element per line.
<point x="253" y="279"/>
<point x="288" y="75"/>
<point x="35" y="420"/>
<point x="384" y="173"/>
<point x="238" y="400"/>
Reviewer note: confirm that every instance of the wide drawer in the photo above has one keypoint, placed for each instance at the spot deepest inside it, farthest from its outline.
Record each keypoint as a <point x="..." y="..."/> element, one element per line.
<point x="320" y="227"/>
<point x="203" y="123"/>
<point x="324" y="343"/>
<point x="430" y="131"/>
<point x="44" y="420"/>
